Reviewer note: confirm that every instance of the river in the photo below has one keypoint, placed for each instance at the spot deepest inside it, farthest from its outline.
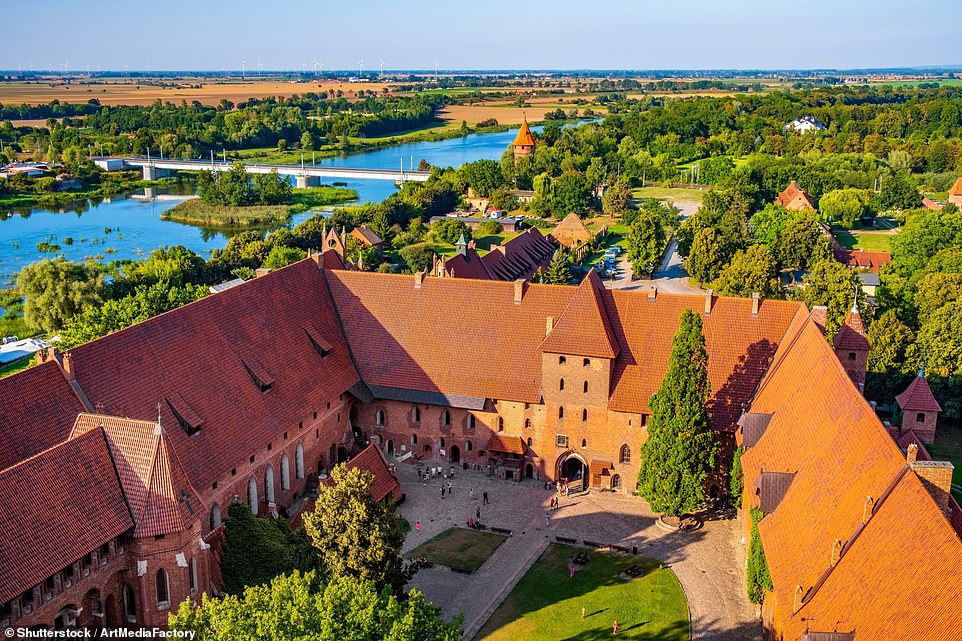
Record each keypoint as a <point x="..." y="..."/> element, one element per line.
<point x="130" y="226"/>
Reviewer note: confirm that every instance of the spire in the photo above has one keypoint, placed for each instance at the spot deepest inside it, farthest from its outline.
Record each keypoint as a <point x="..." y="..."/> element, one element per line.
<point x="462" y="246"/>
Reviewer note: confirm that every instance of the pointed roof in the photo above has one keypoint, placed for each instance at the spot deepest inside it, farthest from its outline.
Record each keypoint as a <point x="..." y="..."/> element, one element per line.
<point x="956" y="189"/>
<point x="852" y="333"/>
<point x="571" y="231"/>
<point x="795" y="198"/>
<point x="918" y="397"/>
<point x="584" y="328"/>
<point x="162" y="499"/>
<point x="524" y="137"/>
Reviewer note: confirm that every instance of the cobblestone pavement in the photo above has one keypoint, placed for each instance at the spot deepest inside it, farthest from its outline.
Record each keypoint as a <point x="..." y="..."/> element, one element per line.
<point x="708" y="562"/>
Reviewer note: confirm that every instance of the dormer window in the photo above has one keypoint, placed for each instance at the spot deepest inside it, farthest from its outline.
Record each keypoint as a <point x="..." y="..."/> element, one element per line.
<point x="322" y="347"/>
<point x="260" y="376"/>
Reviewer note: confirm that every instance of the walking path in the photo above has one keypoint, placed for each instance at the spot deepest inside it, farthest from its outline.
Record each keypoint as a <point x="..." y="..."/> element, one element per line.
<point x="709" y="562"/>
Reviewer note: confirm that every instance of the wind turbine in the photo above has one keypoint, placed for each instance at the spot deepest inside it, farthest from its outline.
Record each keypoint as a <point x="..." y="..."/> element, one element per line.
<point x="382" y="67"/>
<point x="259" y="66"/>
<point x="360" y="68"/>
<point x="243" y="69"/>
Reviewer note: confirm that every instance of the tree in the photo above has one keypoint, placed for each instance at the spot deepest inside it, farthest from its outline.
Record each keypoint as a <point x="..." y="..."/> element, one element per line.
<point x="832" y="284"/>
<point x="255" y="550"/>
<point x="483" y="176"/>
<point x="645" y="242"/>
<point x="418" y="256"/>
<point x="707" y="257"/>
<point x="900" y="192"/>
<point x="845" y="207"/>
<point x="940" y="340"/>
<point x="802" y="244"/>
<point x="680" y="450"/>
<point x="281" y="256"/>
<point x="292" y="607"/>
<point x="571" y="192"/>
<point x="767" y="225"/>
<point x="307" y="141"/>
<point x="891" y="359"/>
<point x="751" y="270"/>
<point x="617" y="198"/>
<point x="450" y="230"/>
<point x="933" y="290"/>
<point x="356" y="535"/>
<point x="57" y="290"/>
<point x="558" y="270"/>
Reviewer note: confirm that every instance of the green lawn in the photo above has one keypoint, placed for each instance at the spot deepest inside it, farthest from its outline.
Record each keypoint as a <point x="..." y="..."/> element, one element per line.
<point x="546" y="603"/>
<point x="948" y="447"/>
<point x="867" y="240"/>
<point x="668" y="193"/>
<point x="459" y="548"/>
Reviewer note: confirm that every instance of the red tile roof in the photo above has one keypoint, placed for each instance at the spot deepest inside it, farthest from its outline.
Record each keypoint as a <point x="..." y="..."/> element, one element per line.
<point x="918" y="397"/>
<point x="928" y="203"/>
<point x="861" y="259"/>
<point x="584" y="328"/>
<point x="520" y="257"/>
<point x="371" y="460"/>
<point x="162" y="499"/>
<point x="366" y="235"/>
<point x="37" y="410"/>
<point x="505" y="444"/>
<point x="571" y="231"/>
<point x="824" y="432"/>
<point x="469" y="265"/>
<point x="956" y="189"/>
<point x="192" y="361"/>
<point x="795" y="198"/>
<point x="524" y="137"/>
<point x="739" y="346"/>
<point x="851" y="336"/>
<point x="57" y="507"/>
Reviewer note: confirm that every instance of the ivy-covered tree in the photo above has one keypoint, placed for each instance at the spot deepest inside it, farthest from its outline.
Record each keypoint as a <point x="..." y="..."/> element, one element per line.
<point x="758" y="577"/>
<point x="681" y="447"/>
<point x="293" y="606"/>
<point x="356" y="535"/>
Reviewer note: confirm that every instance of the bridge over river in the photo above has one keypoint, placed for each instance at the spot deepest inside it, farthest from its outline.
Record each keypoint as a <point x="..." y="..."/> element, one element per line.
<point x="305" y="175"/>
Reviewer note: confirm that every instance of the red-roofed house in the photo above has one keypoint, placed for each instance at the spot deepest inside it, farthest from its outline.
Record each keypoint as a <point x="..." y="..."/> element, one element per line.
<point x="955" y="193"/>
<point x="795" y="198"/>
<point x="920" y="410"/>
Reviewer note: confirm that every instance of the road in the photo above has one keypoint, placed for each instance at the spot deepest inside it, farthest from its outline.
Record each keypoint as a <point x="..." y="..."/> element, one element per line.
<point x="671" y="276"/>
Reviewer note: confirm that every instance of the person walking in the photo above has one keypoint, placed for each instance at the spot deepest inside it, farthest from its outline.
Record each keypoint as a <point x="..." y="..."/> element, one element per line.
<point x="417" y="527"/>
<point x="477" y="513"/>
<point x="582" y="612"/>
<point x="442" y="491"/>
<point x="450" y="487"/>
<point x="485" y="499"/>
<point x="546" y="519"/>
<point x="614" y="627"/>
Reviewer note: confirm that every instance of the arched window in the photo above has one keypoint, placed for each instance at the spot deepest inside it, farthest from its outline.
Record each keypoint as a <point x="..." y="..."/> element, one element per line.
<point x="285" y="472"/>
<point x="527" y="423"/>
<point x="468" y="446"/>
<point x="500" y="423"/>
<point x="379" y="418"/>
<point x="192" y="575"/>
<point x="625" y="456"/>
<point x="299" y="461"/>
<point x="446" y="418"/>
<point x="616" y="481"/>
<point x="416" y="415"/>
<point x="561" y="412"/>
<point x="269" y="484"/>
<point x="130" y="604"/>
<point x="252" y="494"/>
<point x="414" y="439"/>
<point x="529" y="441"/>
<point x="584" y="442"/>
<point x="470" y="421"/>
<point x="561" y="385"/>
<point x="586" y="387"/>
<point x="163" y="592"/>
<point x="584" y="414"/>
<point x="215" y="517"/>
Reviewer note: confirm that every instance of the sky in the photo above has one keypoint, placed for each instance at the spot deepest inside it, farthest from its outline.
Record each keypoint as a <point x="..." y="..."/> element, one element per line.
<point x="480" y="34"/>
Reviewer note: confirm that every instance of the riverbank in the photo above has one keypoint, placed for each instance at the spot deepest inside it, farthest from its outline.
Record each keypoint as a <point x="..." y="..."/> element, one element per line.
<point x="195" y="211"/>
<point x="117" y="184"/>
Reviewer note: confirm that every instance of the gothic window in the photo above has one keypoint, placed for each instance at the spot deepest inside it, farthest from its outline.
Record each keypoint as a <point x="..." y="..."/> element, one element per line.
<point x="193" y="575"/>
<point x="584" y="414"/>
<point x="500" y="423"/>
<point x="416" y="415"/>
<point x="215" y="517"/>
<point x="584" y="442"/>
<point x="470" y="421"/>
<point x="285" y="472"/>
<point x="561" y="385"/>
<point x="625" y="456"/>
<point x="163" y="592"/>
<point x="446" y="418"/>
<point x="252" y="495"/>
<point x="561" y="412"/>
<point x="586" y="387"/>
<point x="299" y="461"/>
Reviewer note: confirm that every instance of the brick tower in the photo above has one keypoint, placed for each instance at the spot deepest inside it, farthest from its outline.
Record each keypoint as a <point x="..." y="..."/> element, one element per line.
<point x="851" y="348"/>
<point x="523" y="144"/>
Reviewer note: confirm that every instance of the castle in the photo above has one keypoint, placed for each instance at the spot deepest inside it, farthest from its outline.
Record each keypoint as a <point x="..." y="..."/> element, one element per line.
<point x="121" y="455"/>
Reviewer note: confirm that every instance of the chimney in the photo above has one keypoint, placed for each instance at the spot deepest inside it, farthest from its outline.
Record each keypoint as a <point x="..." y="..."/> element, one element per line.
<point x="836" y="551"/>
<point x="652" y="294"/>
<point x="708" y="297"/>
<point x="518" y="291"/>
<point x="911" y="453"/>
<point x="261" y="271"/>
<point x="936" y="476"/>
<point x="418" y="279"/>
<point x="799" y="598"/>
<point x="548" y="325"/>
<point x="755" y="300"/>
<point x="867" y="510"/>
<point x="67" y="363"/>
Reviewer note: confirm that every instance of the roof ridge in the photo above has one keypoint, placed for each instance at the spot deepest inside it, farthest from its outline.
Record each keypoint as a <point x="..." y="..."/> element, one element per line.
<point x="586" y="294"/>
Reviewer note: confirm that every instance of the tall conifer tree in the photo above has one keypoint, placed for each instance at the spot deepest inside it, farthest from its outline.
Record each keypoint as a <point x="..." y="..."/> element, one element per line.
<point x="680" y="450"/>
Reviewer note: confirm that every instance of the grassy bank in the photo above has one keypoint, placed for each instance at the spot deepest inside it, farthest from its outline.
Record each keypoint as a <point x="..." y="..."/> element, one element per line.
<point x="23" y="199"/>
<point x="198" y="212"/>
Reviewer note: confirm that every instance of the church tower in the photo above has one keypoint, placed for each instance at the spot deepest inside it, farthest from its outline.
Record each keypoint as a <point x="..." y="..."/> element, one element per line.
<point x="523" y="144"/>
<point x="852" y="347"/>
